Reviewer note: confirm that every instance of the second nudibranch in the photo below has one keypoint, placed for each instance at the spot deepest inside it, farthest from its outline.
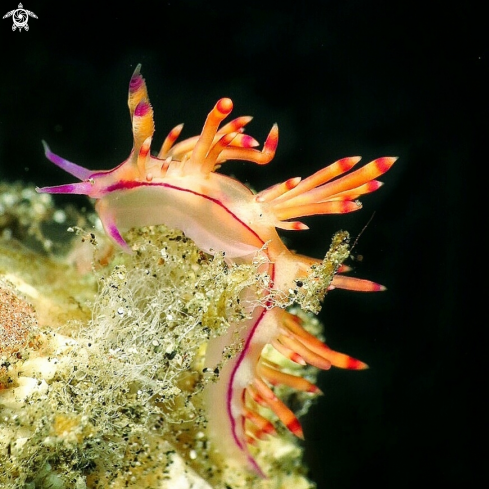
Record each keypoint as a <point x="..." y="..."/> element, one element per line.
<point x="181" y="189"/>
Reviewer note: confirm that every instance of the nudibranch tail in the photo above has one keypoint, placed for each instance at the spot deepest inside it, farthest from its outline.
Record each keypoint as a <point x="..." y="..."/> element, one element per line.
<point x="181" y="189"/>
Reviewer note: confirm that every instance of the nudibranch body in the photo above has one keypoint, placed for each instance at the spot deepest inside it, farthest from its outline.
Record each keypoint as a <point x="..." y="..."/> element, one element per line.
<point x="181" y="189"/>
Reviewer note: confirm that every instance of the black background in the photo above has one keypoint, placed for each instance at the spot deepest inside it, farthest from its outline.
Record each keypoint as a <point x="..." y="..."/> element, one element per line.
<point x="340" y="78"/>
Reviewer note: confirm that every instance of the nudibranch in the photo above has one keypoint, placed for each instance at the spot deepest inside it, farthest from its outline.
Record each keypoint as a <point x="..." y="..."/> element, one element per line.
<point x="181" y="189"/>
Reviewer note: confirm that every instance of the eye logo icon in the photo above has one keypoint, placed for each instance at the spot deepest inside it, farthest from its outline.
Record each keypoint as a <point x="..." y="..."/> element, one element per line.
<point x="20" y="17"/>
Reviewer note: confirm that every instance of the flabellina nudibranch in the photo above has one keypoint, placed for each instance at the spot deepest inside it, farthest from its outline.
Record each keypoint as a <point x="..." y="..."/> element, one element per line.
<point x="181" y="189"/>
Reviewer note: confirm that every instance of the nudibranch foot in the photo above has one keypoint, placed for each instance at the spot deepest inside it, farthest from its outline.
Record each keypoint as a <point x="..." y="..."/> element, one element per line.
<point x="181" y="189"/>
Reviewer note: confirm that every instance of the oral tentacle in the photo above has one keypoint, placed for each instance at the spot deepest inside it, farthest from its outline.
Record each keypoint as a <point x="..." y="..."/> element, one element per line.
<point x="72" y="168"/>
<point x="81" y="188"/>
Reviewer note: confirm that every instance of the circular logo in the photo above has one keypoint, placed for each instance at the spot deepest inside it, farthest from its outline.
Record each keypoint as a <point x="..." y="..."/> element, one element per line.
<point x="20" y="17"/>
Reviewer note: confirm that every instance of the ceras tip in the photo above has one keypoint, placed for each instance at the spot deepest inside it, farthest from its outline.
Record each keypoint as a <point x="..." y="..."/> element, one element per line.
<point x="354" y="364"/>
<point x="247" y="141"/>
<point x="299" y="226"/>
<point x="271" y="142"/>
<point x="384" y="164"/>
<point x="373" y="185"/>
<point x="236" y="124"/>
<point x="347" y="163"/>
<point x="224" y="106"/>
<point x="295" y="427"/>
<point x="292" y="182"/>
<point x="355" y="284"/>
